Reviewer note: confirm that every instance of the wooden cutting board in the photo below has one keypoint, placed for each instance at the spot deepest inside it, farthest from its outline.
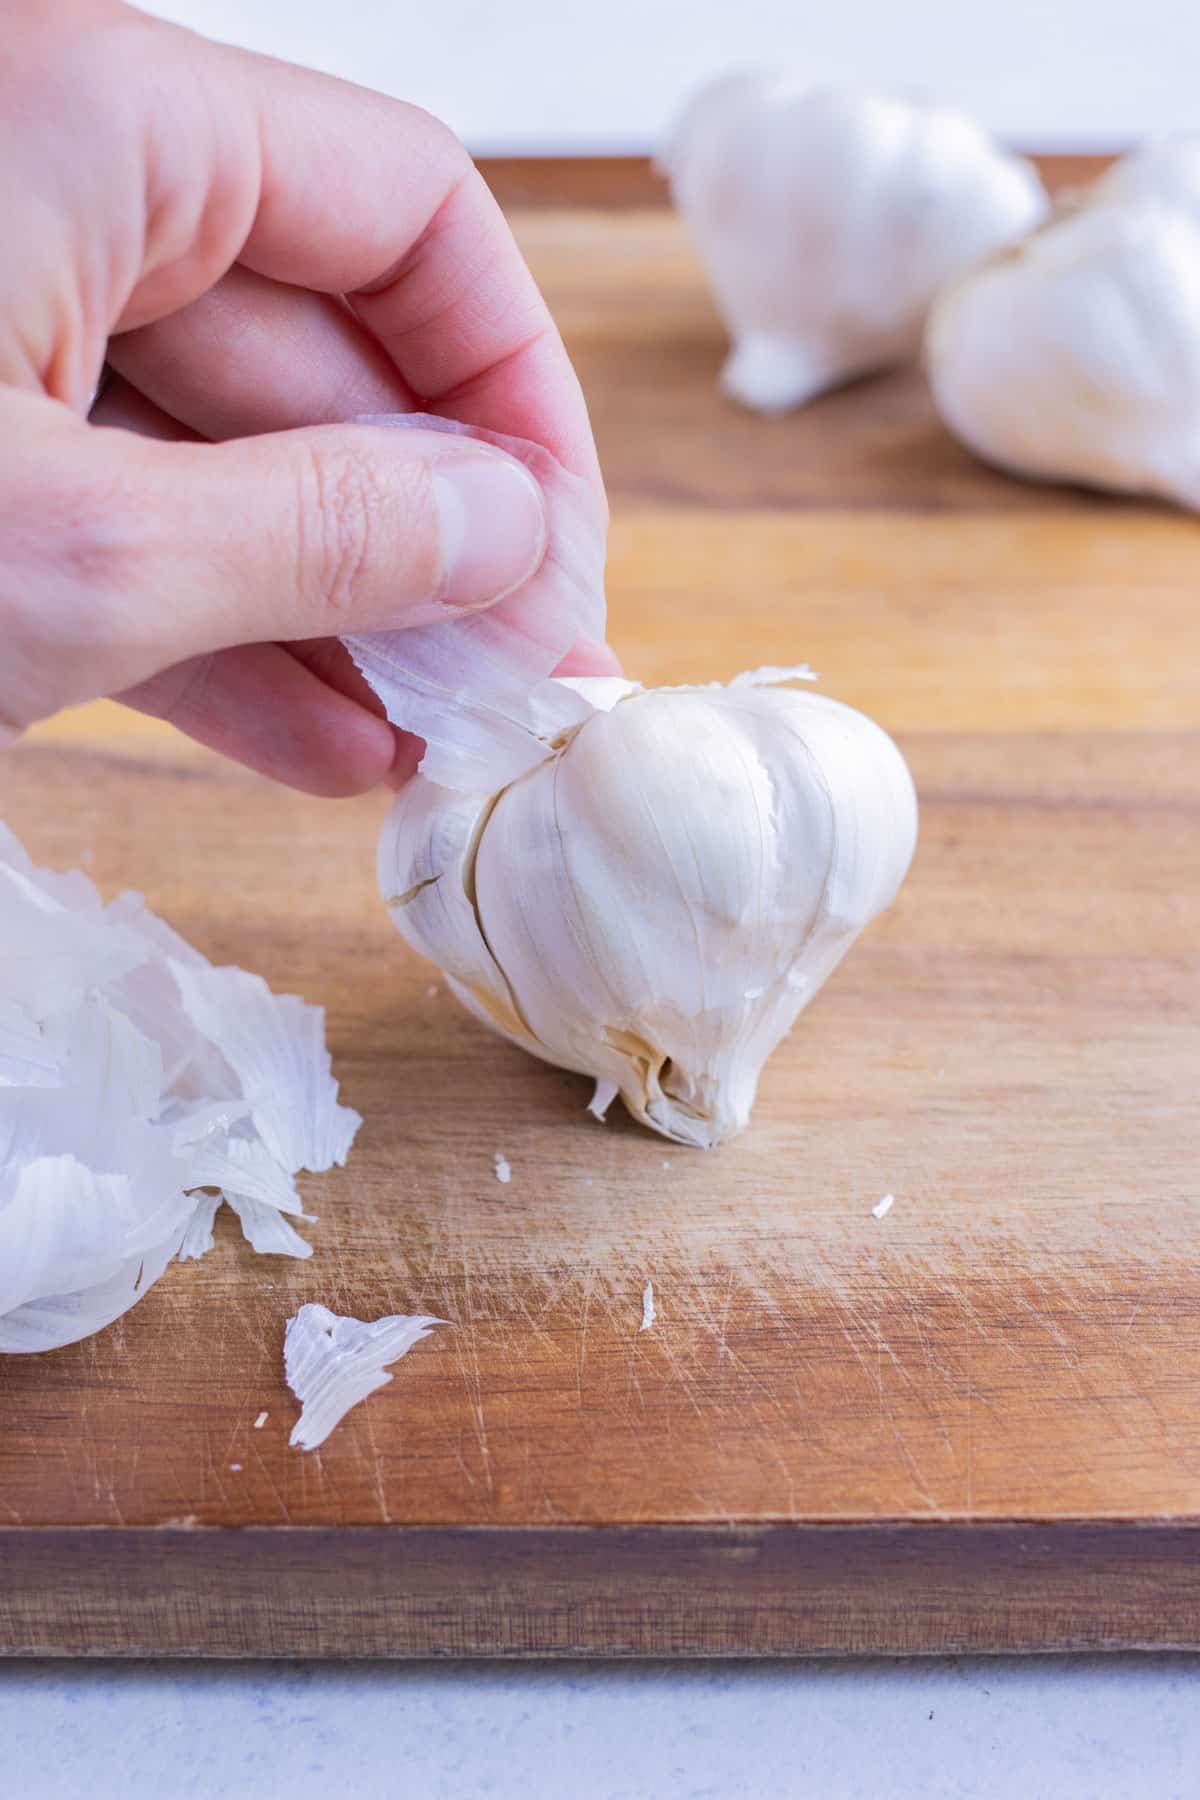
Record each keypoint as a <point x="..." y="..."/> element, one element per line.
<point x="972" y="1424"/>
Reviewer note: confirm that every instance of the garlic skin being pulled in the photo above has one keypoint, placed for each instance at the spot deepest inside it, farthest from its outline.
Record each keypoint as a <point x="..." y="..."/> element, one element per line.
<point x="476" y="686"/>
<point x="1165" y="170"/>
<point x="656" y="902"/>
<point x="828" y="220"/>
<point x="1077" y="356"/>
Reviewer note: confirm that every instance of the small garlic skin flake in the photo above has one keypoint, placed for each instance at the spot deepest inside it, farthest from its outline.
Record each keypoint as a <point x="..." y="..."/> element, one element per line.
<point x="1077" y="356"/>
<point x="637" y="908"/>
<point x="331" y="1362"/>
<point x="604" y="1094"/>
<point x="883" y="1207"/>
<point x="198" y="1238"/>
<point x="828" y="219"/>
<point x="648" y="1311"/>
<point x="502" y="1167"/>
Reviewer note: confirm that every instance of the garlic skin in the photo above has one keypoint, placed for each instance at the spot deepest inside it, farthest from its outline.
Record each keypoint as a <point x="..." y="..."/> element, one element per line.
<point x="656" y="902"/>
<point x="1077" y="356"/>
<point x="133" y="1076"/>
<point x="475" y="686"/>
<point x="332" y="1361"/>
<point x="828" y="219"/>
<point x="1166" y="170"/>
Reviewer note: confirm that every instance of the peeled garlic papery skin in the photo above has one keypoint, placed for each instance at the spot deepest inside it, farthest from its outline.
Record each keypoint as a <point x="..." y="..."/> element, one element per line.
<point x="1077" y="356"/>
<point x="133" y="1076"/>
<point x="828" y="219"/>
<point x="656" y="902"/>
<point x="332" y="1361"/>
<point x="476" y="686"/>
<point x="1166" y="170"/>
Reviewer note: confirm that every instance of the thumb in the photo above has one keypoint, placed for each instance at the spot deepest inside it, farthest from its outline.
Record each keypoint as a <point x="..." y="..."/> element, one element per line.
<point x="122" y="555"/>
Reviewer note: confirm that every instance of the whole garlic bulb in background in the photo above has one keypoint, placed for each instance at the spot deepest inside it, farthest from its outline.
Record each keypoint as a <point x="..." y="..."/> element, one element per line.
<point x="1166" y="170"/>
<point x="655" y="903"/>
<point x="1077" y="356"/>
<point x="828" y="220"/>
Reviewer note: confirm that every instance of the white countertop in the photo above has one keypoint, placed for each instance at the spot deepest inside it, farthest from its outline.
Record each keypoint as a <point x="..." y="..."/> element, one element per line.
<point x="1080" y="1728"/>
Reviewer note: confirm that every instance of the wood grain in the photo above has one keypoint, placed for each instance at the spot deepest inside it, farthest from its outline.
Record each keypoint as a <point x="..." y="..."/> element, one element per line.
<point x="622" y="1591"/>
<point x="971" y="1424"/>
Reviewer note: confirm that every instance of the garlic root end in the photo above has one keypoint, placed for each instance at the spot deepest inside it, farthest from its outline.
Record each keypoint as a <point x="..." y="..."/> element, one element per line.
<point x="776" y="374"/>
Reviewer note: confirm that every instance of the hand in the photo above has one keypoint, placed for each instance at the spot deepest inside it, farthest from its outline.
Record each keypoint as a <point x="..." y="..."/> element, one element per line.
<point x="259" y="252"/>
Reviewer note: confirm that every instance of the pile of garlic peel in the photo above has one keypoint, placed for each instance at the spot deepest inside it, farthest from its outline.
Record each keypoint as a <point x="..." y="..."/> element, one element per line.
<point x="828" y="219"/>
<point x="655" y="902"/>
<point x="134" y="1075"/>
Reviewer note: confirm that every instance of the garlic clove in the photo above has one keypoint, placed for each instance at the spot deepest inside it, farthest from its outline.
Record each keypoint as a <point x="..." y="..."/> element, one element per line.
<point x="1077" y="356"/>
<point x="828" y="219"/>
<point x="426" y="868"/>
<point x="655" y="904"/>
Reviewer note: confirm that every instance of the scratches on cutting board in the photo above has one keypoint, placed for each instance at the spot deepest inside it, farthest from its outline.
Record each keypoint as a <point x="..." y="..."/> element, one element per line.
<point x="809" y="1362"/>
<point x="263" y="1464"/>
<point x="468" y="1354"/>
<point x="376" y="1466"/>
<point x="587" y="1288"/>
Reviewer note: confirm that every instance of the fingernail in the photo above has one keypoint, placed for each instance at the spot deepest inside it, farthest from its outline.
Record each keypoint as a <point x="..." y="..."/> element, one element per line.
<point x="493" y="527"/>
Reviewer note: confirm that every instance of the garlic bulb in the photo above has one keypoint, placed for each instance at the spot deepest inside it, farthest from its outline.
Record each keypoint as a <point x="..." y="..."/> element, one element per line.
<point x="829" y="219"/>
<point x="1166" y="170"/>
<point x="1077" y="356"/>
<point x="655" y="903"/>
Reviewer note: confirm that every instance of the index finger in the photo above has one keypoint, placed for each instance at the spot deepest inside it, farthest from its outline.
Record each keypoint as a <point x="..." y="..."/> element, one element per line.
<point x="375" y="200"/>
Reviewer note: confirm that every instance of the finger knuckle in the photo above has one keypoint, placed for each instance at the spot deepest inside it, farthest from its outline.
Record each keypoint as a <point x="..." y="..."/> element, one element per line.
<point x="68" y="583"/>
<point x="81" y="69"/>
<point x="86" y="541"/>
<point x="104" y="541"/>
<point x="440" y="143"/>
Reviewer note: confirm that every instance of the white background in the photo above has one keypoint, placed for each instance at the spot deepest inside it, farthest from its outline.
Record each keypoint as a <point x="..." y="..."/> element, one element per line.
<point x="586" y="75"/>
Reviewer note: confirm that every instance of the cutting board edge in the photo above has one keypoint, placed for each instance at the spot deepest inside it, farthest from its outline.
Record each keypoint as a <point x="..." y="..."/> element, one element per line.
<point x="784" y="1589"/>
